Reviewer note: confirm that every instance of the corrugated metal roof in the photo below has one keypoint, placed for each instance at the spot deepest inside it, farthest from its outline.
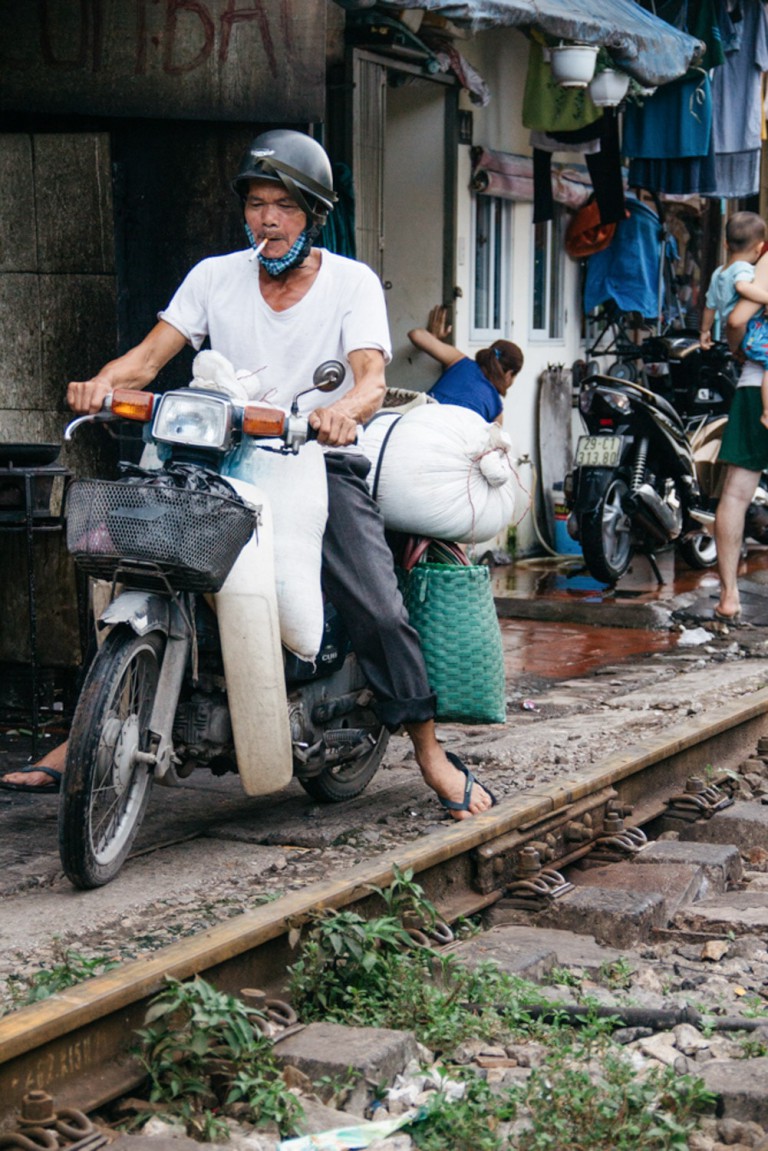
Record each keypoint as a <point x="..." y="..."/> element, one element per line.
<point x="649" y="49"/>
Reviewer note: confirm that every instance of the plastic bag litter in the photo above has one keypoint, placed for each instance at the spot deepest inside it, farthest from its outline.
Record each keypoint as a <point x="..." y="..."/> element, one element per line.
<point x="348" y="1138"/>
<point x="694" y="637"/>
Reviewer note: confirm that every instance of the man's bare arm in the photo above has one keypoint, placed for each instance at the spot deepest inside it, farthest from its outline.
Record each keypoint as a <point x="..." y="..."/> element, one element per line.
<point x="336" y="425"/>
<point x="135" y="369"/>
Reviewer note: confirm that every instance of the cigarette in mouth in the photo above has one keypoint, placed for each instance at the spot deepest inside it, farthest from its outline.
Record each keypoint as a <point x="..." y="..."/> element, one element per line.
<point x="258" y="249"/>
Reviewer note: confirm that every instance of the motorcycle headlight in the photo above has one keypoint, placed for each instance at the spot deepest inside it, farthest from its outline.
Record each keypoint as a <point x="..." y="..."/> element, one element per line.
<point x="194" y="418"/>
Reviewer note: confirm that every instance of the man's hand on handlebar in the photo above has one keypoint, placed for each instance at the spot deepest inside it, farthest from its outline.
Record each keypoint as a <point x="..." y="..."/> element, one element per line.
<point x="333" y="426"/>
<point x="87" y="396"/>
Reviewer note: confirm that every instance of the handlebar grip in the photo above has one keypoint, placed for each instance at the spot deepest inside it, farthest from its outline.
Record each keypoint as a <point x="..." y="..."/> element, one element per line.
<point x="312" y="435"/>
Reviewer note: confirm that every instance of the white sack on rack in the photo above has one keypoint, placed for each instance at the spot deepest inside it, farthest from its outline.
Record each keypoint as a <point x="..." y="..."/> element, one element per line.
<point x="442" y="471"/>
<point x="297" y="489"/>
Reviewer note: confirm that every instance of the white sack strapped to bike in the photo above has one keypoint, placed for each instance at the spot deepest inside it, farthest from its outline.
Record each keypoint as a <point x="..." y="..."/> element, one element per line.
<point x="441" y="471"/>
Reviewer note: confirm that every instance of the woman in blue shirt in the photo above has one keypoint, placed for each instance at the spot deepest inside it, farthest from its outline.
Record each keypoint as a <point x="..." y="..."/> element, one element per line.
<point x="478" y="384"/>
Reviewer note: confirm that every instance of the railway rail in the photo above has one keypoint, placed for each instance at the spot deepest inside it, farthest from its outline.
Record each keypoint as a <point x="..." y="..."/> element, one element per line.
<point x="76" y="1045"/>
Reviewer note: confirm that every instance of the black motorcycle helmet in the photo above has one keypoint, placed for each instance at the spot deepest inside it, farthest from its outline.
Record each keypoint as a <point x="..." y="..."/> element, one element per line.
<point x="296" y="161"/>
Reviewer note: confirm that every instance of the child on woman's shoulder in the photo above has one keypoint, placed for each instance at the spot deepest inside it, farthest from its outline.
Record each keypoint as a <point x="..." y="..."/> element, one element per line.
<point x="745" y="235"/>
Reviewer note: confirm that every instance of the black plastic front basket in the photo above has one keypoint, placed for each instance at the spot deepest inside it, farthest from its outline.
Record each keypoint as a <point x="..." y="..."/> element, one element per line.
<point x="193" y="537"/>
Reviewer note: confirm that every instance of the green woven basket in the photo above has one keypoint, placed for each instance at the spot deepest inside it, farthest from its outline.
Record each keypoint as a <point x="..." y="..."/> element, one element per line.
<point x="451" y="607"/>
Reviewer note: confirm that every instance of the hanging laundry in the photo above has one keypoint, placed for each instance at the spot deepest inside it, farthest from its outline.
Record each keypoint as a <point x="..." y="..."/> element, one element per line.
<point x="626" y="273"/>
<point x="565" y="119"/>
<point x="675" y="122"/>
<point x="707" y="20"/>
<point x="737" y="109"/>
<point x="546" y="106"/>
<point x="670" y="138"/>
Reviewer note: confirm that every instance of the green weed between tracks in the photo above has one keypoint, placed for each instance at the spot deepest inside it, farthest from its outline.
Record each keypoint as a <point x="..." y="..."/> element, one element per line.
<point x="206" y="1060"/>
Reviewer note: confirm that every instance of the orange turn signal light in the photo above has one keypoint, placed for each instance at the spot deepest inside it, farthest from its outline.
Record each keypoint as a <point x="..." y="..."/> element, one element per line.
<point x="260" y="420"/>
<point x="132" y="405"/>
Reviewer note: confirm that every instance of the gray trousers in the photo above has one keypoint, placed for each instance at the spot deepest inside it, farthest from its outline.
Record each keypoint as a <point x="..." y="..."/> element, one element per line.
<point x="359" y="579"/>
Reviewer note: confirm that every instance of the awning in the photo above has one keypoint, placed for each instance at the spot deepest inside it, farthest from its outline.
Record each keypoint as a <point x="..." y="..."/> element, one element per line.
<point x="511" y="177"/>
<point x="649" y="49"/>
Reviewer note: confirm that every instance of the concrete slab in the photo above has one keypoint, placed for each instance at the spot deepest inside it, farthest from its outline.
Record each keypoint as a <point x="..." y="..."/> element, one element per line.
<point x="740" y="912"/>
<point x="677" y="883"/>
<point x="741" y="1086"/>
<point x="376" y="1054"/>
<point x="721" y="863"/>
<point x="745" y="825"/>
<point x="533" y="952"/>
<point x="613" y="918"/>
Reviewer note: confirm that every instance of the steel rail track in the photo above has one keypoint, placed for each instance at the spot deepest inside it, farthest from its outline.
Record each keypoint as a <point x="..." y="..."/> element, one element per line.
<point x="77" y="1044"/>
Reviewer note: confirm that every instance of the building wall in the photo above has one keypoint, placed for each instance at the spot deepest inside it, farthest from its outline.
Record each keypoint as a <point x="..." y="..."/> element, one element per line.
<point x="501" y="59"/>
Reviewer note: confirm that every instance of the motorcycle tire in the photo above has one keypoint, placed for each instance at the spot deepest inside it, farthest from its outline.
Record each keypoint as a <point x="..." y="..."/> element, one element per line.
<point x="699" y="552"/>
<point x="104" y="792"/>
<point x="606" y="540"/>
<point x="347" y="779"/>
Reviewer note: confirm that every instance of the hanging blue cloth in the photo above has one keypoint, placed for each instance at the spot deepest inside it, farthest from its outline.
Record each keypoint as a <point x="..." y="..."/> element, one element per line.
<point x="675" y="122"/>
<point x="338" y="234"/>
<point x="627" y="271"/>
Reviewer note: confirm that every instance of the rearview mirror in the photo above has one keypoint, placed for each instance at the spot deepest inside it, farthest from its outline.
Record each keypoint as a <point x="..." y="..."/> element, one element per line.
<point x="329" y="376"/>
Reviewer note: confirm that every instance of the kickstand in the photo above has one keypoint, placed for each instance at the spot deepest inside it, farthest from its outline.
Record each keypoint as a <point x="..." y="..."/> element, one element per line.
<point x="655" y="568"/>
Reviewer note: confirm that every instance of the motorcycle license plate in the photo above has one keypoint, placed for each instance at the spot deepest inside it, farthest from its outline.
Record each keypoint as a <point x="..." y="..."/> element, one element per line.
<point x="598" y="451"/>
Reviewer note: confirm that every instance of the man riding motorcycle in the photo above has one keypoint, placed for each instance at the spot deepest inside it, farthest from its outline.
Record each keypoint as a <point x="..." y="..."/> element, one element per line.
<point x="278" y="311"/>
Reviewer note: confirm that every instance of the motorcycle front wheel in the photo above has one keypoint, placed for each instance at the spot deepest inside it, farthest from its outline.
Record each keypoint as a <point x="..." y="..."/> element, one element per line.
<point x="106" y="791"/>
<point x="351" y="777"/>
<point x="604" y="532"/>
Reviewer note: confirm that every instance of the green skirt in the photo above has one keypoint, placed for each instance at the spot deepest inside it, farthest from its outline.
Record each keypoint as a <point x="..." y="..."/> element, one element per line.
<point x="745" y="440"/>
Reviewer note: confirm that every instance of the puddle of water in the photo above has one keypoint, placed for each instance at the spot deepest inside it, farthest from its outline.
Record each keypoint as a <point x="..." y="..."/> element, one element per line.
<point x="548" y="578"/>
<point x="557" y="651"/>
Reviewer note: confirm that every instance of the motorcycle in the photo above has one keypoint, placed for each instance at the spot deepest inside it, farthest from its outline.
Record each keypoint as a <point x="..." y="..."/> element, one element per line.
<point x="192" y="673"/>
<point x="634" y="485"/>
<point x="698" y="382"/>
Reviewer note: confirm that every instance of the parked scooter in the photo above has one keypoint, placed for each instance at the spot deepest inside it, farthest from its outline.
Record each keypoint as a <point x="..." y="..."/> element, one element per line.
<point x="634" y="485"/>
<point x="698" y="382"/>
<point x="190" y="561"/>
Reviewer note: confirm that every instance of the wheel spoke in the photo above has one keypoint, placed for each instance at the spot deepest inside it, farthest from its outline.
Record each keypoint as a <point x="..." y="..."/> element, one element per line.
<point x="106" y="788"/>
<point x="113" y="793"/>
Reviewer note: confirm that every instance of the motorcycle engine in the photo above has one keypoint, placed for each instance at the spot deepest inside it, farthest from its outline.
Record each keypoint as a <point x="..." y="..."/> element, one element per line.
<point x="202" y="721"/>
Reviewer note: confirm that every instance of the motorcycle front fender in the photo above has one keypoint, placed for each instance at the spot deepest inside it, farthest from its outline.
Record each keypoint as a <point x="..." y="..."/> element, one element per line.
<point x="249" y="628"/>
<point x="143" y="611"/>
<point x="590" y="488"/>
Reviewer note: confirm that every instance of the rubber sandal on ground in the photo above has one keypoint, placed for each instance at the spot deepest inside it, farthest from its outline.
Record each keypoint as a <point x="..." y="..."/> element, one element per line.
<point x="42" y="788"/>
<point x="450" y="804"/>
<point x="727" y="617"/>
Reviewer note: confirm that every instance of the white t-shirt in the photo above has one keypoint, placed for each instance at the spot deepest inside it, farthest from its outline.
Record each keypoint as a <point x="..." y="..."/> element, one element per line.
<point x="343" y="311"/>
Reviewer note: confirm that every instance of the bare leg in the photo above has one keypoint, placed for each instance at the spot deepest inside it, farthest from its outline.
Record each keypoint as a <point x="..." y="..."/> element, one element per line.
<point x="738" y="490"/>
<point x="441" y="775"/>
<point x="55" y="758"/>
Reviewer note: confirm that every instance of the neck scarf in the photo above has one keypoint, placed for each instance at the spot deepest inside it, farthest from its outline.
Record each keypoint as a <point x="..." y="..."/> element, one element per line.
<point x="295" y="255"/>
